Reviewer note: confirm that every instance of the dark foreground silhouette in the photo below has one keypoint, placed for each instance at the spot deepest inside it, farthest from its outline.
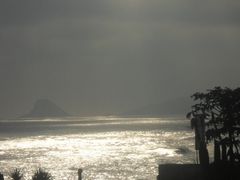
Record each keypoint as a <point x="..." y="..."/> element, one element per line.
<point x="197" y="172"/>
<point x="216" y="119"/>
<point x="40" y="174"/>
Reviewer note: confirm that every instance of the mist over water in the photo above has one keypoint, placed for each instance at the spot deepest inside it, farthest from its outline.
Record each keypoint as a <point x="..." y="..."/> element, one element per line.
<point x="105" y="147"/>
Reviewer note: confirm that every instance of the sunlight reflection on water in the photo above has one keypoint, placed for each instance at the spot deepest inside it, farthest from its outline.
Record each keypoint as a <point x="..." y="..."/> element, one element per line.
<point x="102" y="155"/>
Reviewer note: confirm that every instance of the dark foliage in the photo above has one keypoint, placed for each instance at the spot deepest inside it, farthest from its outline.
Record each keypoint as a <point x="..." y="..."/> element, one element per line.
<point x="219" y="108"/>
<point x="16" y="174"/>
<point x="1" y="176"/>
<point x="40" y="174"/>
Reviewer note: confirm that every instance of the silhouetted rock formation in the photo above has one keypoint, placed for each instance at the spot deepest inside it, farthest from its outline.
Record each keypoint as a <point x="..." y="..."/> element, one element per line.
<point x="45" y="108"/>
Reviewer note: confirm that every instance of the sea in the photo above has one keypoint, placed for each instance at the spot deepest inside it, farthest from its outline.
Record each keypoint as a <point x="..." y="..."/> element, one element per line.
<point x="104" y="147"/>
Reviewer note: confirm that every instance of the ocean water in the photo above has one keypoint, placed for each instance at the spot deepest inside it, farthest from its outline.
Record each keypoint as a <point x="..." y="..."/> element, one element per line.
<point x="106" y="148"/>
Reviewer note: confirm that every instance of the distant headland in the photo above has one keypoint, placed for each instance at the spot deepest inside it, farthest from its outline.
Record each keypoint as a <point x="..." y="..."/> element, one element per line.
<point x="44" y="108"/>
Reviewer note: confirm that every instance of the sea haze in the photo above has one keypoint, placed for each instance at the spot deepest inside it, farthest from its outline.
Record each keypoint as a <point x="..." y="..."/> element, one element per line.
<point x="105" y="147"/>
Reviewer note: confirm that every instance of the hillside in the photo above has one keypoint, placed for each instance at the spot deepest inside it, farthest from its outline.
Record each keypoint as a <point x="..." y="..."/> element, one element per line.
<point x="179" y="106"/>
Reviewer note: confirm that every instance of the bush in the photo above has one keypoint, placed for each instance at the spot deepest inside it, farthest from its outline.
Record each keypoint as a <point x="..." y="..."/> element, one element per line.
<point x="1" y="176"/>
<point x="40" y="174"/>
<point x="16" y="174"/>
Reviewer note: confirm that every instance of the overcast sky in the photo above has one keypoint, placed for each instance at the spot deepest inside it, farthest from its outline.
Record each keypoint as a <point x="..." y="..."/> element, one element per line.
<point x="109" y="56"/>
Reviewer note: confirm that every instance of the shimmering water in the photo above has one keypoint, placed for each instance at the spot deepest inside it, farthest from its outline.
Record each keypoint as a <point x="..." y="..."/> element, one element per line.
<point x="104" y="147"/>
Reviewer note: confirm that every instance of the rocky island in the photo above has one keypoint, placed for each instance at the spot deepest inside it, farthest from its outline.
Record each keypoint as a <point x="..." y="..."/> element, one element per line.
<point x="43" y="108"/>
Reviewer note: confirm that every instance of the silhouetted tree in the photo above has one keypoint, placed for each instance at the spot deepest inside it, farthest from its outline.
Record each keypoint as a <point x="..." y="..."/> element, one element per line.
<point x="219" y="110"/>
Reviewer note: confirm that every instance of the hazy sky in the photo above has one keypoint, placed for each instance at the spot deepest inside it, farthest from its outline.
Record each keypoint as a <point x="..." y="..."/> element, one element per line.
<point x="109" y="56"/>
